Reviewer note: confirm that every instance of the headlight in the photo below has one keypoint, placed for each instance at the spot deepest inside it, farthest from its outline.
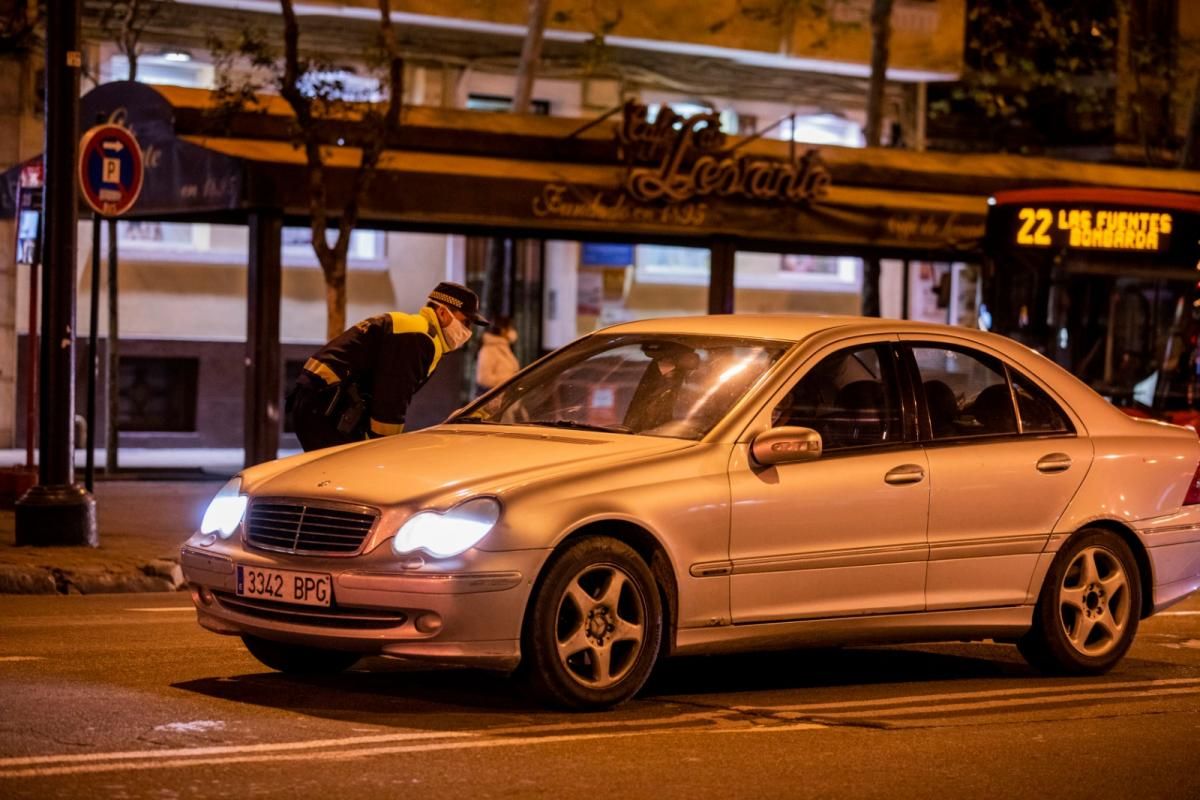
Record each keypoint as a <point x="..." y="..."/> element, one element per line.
<point x="225" y="511"/>
<point x="455" y="531"/>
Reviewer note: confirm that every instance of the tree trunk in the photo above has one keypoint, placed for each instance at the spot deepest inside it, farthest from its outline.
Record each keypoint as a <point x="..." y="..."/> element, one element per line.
<point x="531" y="53"/>
<point x="335" y="296"/>
<point x="881" y="34"/>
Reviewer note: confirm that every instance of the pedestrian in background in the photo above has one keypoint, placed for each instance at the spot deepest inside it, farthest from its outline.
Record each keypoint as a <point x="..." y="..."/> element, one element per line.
<point x="497" y="362"/>
<point x="359" y="385"/>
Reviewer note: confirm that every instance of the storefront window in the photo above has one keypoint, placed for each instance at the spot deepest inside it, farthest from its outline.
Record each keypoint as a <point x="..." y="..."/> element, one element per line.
<point x="796" y="283"/>
<point x="947" y="293"/>
<point x="662" y="264"/>
<point x="367" y="248"/>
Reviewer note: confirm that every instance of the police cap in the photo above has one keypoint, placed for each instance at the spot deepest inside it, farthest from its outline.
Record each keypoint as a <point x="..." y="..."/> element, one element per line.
<point x="459" y="298"/>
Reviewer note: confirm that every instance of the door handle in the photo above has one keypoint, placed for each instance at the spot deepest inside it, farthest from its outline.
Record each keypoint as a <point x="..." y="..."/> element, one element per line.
<point x="1054" y="462"/>
<point x="905" y="473"/>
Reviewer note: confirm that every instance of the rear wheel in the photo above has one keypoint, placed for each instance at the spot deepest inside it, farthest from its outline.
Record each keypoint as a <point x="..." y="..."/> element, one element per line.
<point x="1089" y="607"/>
<point x="297" y="659"/>
<point x="595" y="627"/>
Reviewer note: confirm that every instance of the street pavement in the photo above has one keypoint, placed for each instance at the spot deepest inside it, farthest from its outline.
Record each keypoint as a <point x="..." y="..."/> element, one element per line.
<point x="141" y="523"/>
<point x="125" y="696"/>
<point x="143" y="515"/>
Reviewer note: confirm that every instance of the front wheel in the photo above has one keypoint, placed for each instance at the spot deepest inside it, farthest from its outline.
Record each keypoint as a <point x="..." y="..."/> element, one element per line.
<point x="1089" y="607"/>
<point x="595" y="626"/>
<point x="297" y="659"/>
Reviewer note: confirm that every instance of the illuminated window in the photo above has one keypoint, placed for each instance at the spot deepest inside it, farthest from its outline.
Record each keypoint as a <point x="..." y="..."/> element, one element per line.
<point x="341" y="84"/>
<point x="163" y="69"/>
<point x="823" y="129"/>
<point x="495" y="102"/>
<point x="728" y="117"/>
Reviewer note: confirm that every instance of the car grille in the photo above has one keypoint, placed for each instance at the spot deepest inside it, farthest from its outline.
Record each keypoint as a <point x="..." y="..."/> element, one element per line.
<point x="357" y="618"/>
<point x="308" y="529"/>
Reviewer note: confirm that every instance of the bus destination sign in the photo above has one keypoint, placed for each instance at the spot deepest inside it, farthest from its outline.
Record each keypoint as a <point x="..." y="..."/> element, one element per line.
<point x="1093" y="229"/>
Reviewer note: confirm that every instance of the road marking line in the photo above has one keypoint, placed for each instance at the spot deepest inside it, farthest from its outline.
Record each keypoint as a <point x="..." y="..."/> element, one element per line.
<point x="1021" y="701"/>
<point x="22" y="658"/>
<point x="222" y="749"/>
<point x="472" y="744"/>
<point x="678" y="719"/>
<point x="1098" y="688"/>
<point x="1178" y="614"/>
<point x="163" y="609"/>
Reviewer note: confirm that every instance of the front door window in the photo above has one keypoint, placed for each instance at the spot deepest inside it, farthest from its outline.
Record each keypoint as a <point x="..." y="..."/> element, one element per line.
<point x="849" y="398"/>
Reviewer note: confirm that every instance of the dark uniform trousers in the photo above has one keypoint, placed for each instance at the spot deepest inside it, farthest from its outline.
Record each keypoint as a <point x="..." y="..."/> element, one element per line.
<point x="315" y="411"/>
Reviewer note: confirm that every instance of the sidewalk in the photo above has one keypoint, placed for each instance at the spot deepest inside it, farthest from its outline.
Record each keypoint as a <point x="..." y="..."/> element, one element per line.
<point x="182" y="462"/>
<point x="142" y="524"/>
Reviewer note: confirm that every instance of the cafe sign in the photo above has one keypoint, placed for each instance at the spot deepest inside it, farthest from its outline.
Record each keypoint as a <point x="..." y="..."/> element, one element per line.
<point x="677" y="159"/>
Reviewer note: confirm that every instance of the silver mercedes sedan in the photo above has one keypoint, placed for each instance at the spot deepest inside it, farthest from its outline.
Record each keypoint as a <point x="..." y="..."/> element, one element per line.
<point x="715" y="484"/>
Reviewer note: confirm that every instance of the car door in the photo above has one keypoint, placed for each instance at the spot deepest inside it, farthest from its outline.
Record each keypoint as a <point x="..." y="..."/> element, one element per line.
<point x="1004" y="461"/>
<point x="843" y="534"/>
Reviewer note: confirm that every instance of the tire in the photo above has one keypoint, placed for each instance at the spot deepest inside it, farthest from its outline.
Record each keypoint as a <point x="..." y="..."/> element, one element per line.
<point x="594" y="627"/>
<point x="296" y="659"/>
<point x="1089" y="607"/>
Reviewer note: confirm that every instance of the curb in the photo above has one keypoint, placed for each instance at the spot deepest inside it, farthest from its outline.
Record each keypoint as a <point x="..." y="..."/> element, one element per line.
<point x="161" y="575"/>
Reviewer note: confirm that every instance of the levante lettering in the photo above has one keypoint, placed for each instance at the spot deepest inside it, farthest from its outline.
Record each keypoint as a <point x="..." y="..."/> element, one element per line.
<point x="689" y="160"/>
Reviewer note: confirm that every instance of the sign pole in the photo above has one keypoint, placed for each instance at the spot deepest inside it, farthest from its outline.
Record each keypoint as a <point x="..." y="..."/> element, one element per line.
<point x="89" y="475"/>
<point x="31" y="350"/>
<point x="113" y="385"/>
<point x="56" y="511"/>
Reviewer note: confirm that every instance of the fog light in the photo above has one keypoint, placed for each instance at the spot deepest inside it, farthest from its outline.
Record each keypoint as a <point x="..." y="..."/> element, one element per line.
<point x="428" y="622"/>
<point x="205" y="595"/>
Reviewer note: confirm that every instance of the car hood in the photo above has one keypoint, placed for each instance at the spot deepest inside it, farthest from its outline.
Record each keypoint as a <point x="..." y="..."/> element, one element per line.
<point x="449" y="461"/>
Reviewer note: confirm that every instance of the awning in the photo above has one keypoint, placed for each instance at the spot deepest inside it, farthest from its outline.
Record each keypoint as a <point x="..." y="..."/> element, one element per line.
<point x="525" y="175"/>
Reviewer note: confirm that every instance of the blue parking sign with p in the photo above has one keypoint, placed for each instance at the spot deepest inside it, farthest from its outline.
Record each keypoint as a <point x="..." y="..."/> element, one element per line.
<point x="110" y="169"/>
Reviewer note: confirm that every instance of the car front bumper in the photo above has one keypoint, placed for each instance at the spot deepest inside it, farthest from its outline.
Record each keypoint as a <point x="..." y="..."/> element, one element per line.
<point x="467" y="610"/>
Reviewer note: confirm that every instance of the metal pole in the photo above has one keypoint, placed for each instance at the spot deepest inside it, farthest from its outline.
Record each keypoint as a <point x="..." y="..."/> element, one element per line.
<point x="89" y="475"/>
<point x="31" y="350"/>
<point x="113" y="384"/>
<point x="57" y="511"/>
<point x="720" y="277"/>
<point x="264" y="293"/>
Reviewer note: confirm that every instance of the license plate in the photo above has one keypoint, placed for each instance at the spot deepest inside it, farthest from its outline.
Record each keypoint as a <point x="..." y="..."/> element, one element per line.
<point x="285" y="585"/>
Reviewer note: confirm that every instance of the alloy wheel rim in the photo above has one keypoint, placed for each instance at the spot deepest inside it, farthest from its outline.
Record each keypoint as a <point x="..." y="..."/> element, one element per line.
<point x="600" y="625"/>
<point x="1093" y="602"/>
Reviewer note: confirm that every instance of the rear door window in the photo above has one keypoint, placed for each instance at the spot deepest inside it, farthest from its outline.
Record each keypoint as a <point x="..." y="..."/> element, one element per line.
<point x="1039" y="414"/>
<point x="966" y="393"/>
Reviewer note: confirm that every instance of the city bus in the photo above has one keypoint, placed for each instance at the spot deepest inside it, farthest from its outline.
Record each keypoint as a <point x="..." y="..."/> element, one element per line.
<point x="1106" y="282"/>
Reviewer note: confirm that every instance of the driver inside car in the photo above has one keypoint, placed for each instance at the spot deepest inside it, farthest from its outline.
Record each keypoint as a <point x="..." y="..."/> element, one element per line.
<point x="659" y="390"/>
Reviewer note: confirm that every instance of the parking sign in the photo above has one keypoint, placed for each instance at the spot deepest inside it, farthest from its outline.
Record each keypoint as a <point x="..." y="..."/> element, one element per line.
<point x="110" y="169"/>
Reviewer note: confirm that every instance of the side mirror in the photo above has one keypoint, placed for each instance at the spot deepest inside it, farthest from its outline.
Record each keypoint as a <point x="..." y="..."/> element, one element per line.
<point x="785" y="445"/>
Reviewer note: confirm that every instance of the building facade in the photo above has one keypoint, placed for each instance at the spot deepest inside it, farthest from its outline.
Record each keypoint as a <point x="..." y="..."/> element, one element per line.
<point x="183" y="295"/>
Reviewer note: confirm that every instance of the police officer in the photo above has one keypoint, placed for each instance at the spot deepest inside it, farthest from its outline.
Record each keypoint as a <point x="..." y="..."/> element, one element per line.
<point x="360" y="384"/>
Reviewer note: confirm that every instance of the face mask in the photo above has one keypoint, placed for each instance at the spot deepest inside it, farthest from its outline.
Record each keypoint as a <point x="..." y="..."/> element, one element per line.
<point x="456" y="333"/>
<point x="511" y="335"/>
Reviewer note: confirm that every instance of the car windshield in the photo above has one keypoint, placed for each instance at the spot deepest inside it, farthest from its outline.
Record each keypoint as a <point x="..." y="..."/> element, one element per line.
<point x="673" y="385"/>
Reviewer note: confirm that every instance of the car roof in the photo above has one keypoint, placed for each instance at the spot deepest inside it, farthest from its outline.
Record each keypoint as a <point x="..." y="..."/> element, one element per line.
<point x="786" y="327"/>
